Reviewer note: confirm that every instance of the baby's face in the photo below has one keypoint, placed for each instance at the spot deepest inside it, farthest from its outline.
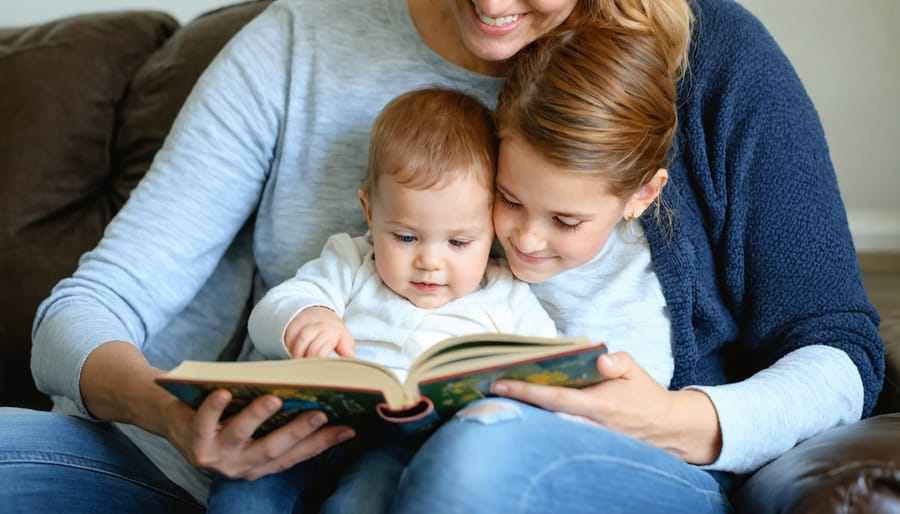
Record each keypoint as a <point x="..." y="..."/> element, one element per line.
<point x="431" y="246"/>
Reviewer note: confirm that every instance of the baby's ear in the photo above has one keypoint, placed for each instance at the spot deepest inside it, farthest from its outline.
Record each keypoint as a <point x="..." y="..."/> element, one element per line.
<point x="647" y="193"/>
<point x="367" y="211"/>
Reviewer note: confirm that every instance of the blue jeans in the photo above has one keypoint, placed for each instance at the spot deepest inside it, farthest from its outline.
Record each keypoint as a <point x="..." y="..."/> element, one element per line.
<point x="55" y="463"/>
<point x="504" y="456"/>
<point x="353" y="478"/>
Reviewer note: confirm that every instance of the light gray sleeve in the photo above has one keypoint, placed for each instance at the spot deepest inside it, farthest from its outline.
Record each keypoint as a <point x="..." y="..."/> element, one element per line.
<point x="165" y="243"/>
<point x="805" y="392"/>
<point x="325" y="282"/>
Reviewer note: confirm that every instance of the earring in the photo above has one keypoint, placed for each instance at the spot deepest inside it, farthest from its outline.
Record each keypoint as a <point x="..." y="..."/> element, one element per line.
<point x="630" y="216"/>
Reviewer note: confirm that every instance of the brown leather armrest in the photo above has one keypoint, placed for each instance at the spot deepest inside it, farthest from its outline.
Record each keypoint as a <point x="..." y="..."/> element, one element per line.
<point x="849" y="469"/>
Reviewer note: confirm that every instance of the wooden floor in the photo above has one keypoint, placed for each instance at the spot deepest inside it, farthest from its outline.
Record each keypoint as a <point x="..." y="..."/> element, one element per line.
<point x="881" y="273"/>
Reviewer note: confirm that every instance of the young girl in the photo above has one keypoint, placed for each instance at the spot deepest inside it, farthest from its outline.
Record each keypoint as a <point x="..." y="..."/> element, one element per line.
<point x="616" y="230"/>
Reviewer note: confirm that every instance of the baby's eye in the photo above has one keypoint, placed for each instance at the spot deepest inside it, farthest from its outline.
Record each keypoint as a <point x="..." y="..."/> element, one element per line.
<point x="566" y="223"/>
<point x="405" y="238"/>
<point x="458" y="243"/>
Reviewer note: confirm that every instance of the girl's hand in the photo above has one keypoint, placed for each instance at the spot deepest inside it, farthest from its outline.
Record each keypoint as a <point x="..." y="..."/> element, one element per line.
<point x="227" y="446"/>
<point x="316" y="332"/>
<point x="631" y="402"/>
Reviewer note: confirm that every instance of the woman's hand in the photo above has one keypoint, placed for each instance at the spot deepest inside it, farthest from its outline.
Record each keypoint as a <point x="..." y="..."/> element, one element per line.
<point x="631" y="402"/>
<point x="117" y="384"/>
<point x="227" y="447"/>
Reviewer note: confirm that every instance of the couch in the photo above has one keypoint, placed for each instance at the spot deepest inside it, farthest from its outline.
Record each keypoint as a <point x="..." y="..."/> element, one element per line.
<point x="86" y="101"/>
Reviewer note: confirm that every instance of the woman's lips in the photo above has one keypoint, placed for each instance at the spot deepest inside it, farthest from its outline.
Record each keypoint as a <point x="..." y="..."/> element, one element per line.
<point x="496" y="26"/>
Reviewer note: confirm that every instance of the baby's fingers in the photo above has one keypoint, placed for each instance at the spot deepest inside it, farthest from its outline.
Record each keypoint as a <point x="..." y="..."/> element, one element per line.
<point x="346" y="347"/>
<point x="299" y="347"/>
<point x="321" y="346"/>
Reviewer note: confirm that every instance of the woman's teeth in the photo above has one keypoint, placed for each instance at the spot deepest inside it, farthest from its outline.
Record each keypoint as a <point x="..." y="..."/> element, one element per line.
<point x="496" y="22"/>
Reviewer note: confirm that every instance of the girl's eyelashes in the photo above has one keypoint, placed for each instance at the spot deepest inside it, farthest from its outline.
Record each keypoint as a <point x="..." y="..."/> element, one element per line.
<point x="567" y="224"/>
<point x="507" y="203"/>
<point x="457" y="243"/>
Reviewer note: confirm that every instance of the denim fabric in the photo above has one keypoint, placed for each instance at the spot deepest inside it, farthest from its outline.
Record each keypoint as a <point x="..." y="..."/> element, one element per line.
<point x="56" y="463"/>
<point x="503" y="456"/>
<point x="345" y="479"/>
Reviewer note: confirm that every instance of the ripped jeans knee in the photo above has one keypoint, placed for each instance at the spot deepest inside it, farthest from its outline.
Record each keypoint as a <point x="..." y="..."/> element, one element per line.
<point x="491" y="410"/>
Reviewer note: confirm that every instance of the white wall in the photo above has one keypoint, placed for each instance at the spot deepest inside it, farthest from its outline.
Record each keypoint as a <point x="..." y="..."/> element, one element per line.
<point x="846" y="52"/>
<point x="848" y="55"/>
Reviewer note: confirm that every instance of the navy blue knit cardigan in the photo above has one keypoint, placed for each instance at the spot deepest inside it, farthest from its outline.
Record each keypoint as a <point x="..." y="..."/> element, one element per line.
<point x="758" y="259"/>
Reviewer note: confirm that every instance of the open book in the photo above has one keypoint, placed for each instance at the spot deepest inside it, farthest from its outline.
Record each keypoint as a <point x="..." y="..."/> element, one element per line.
<point x="351" y="391"/>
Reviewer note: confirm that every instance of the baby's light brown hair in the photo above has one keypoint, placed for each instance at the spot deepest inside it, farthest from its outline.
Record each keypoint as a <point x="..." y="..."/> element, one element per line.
<point x="428" y="137"/>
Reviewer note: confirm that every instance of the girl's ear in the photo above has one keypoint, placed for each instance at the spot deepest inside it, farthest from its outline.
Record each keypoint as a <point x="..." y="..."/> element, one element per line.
<point x="645" y="196"/>
<point x="367" y="210"/>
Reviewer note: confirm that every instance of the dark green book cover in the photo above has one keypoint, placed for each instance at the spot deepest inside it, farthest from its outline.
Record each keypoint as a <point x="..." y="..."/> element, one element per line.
<point x="439" y="395"/>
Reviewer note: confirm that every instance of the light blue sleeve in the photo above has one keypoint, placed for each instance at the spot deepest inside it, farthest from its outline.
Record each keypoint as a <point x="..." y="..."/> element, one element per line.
<point x="162" y="247"/>
<point x="807" y="391"/>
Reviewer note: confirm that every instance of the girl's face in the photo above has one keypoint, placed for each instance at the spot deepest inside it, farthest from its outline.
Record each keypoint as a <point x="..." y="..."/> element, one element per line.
<point x="494" y="30"/>
<point x="550" y="219"/>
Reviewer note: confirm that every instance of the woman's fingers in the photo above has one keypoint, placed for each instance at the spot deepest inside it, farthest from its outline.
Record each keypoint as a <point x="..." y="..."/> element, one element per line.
<point x="552" y="398"/>
<point x="617" y="365"/>
<point x="609" y="403"/>
<point x="206" y="421"/>
<point x="233" y="452"/>
<point x="304" y="441"/>
<point x="238" y="430"/>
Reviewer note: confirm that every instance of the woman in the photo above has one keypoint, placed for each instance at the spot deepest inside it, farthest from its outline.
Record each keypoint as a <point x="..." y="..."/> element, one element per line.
<point x="586" y="119"/>
<point x="274" y="130"/>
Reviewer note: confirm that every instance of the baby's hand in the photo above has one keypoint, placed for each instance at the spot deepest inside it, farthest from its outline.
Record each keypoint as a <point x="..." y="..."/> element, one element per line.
<point x="316" y="332"/>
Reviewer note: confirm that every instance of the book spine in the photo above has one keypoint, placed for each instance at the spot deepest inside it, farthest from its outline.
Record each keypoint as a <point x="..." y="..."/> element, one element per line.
<point x="420" y="418"/>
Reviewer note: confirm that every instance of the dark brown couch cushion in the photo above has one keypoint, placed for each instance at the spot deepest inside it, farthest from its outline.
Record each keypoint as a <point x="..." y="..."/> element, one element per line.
<point x="163" y="83"/>
<point x="85" y="103"/>
<point x="60" y="84"/>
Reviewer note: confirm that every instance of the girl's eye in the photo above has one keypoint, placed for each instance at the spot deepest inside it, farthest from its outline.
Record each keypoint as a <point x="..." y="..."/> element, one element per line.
<point x="509" y="204"/>
<point x="405" y="238"/>
<point x="567" y="223"/>
<point x="458" y="243"/>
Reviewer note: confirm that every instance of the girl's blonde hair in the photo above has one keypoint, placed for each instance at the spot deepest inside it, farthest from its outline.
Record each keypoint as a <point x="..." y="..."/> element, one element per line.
<point x="594" y="98"/>
<point x="430" y="136"/>
<point x="669" y="20"/>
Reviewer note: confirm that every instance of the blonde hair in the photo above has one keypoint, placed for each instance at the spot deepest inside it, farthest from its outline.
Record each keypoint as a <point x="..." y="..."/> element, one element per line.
<point x="669" y="20"/>
<point x="595" y="99"/>
<point x="427" y="137"/>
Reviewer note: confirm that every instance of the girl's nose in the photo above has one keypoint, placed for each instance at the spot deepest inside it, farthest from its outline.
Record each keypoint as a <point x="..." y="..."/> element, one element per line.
<point x="529" y="239"/>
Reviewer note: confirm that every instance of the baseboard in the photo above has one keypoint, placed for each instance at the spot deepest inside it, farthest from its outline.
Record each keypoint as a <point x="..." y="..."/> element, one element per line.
<point x="875" y="231"/>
